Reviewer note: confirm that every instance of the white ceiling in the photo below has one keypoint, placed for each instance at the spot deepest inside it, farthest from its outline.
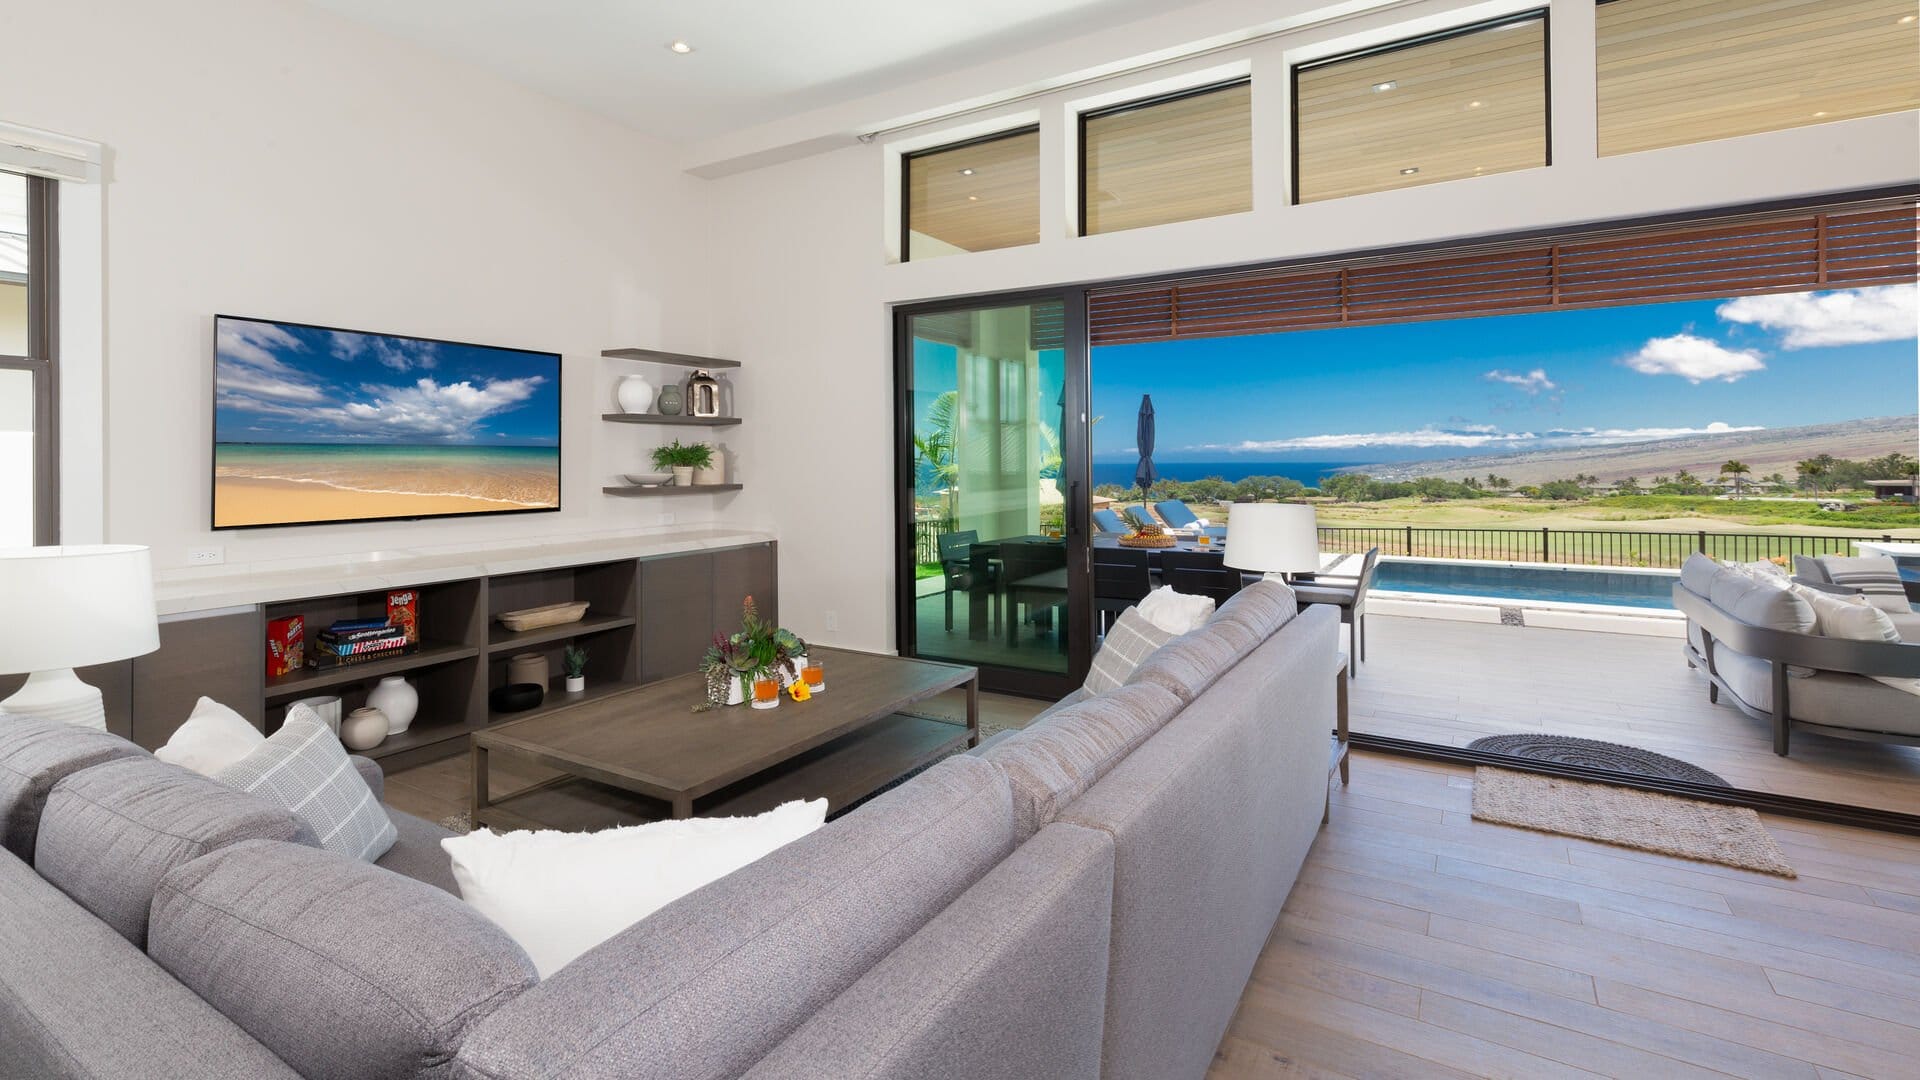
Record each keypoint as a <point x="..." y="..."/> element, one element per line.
<point x="754" y="61"/>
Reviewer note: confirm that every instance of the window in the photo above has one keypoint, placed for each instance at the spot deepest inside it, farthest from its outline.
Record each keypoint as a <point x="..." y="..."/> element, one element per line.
<point x="27" y="464"/>
<point x="1683" y="71"/>
<point x="972" y="196"/>
<point x="1448" y="106"/>
<point x="1174" y="158"/>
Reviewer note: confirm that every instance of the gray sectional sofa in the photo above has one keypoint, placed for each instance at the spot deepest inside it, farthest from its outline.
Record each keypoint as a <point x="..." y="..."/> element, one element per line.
<point x="1085" y="898"/>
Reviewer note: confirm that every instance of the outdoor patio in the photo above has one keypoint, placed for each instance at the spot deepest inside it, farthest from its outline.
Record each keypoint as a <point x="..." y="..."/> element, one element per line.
<point x="1449" y="682"/>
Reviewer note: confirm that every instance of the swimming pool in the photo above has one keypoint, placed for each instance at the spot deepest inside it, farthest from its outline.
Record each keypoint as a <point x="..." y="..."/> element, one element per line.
<point x="1503" y="581"/>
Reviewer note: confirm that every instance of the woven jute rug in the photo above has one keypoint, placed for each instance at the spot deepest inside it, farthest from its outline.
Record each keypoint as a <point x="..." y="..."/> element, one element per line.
<point x="1642" y="820"/>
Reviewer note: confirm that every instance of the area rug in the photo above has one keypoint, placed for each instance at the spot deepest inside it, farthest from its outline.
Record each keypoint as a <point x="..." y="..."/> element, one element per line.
<point x="1642" y="820"/>
<point x="1614" y="757"/>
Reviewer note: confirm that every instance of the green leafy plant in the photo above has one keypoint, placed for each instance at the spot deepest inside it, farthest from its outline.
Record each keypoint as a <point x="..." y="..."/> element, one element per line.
<point x="758" y="649"/>
<point x="677" y="455"/>
<point x="573" y="661"/>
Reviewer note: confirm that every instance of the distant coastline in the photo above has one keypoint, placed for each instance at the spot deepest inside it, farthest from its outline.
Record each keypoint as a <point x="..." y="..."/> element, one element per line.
<point x="1309" y="473"/>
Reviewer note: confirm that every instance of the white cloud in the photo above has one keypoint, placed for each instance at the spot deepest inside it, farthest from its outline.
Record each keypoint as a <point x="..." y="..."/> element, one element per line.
<point x="1846" y="317"/>
<point x="1532" y="382"/>
<point x="1476" y="437"/>
<point x="1695" y="359"/>
<point x="252" y="343"/>
<point x="429" y="409"/>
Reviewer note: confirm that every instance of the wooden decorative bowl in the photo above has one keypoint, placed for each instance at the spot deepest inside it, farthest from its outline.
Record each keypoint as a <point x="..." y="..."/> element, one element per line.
<point x="534" y="618"/>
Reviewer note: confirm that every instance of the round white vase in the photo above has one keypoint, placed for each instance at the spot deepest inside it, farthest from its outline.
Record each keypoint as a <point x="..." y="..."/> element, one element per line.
<point x="635" y="394"/>
<point x="363" y="729"/>
<point x="397" y="698"/>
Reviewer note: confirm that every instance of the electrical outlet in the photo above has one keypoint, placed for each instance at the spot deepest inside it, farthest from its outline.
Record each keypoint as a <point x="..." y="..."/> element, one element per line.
<point x="207" y="556"/>
<point x="666" y="517"/>
<point x="832" y="620"/>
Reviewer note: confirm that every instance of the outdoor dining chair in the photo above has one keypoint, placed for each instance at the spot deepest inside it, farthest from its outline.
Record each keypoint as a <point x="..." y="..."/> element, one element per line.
<point x="957" y="566"/>
<point x="1121" y="579"/>
<point x="1199" y="573"/>
<point x="1349" y="592"/>
<point x="1033" y="574"/>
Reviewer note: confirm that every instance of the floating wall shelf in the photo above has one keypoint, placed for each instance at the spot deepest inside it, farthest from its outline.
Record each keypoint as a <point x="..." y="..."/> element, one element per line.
<point x="655" y="356"/>
<point x="656" y="418"/>
<point x="668" y="489"/>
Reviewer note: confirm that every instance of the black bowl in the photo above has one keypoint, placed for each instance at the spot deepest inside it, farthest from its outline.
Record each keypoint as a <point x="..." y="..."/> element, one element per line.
<point x="516" y="697"/>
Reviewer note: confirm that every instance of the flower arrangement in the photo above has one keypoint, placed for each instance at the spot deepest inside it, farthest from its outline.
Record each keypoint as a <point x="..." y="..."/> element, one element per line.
<point x="757" y="650"/>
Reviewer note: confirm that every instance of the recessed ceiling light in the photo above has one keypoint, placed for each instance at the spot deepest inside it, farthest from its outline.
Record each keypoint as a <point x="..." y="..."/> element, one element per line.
<point x="1410" y="172"/>
<point x="1819" y="114"/>
<point x="973" y="198"/>
<point x="1383" y="87"/>
<point x="680" y="47"/>
<point x="966" y="172"/>
<point x="1905" y="19"/>
<point x="1474" y="104"/>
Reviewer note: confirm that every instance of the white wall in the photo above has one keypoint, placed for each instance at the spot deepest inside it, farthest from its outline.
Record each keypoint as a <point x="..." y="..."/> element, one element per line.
<point x="266" y="159"/>
<point x="811" y="301"/>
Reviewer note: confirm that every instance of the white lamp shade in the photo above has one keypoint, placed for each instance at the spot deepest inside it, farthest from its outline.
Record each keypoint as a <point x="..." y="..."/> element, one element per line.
<point x="1272" y="538"/>
<point x="66" y="607"/>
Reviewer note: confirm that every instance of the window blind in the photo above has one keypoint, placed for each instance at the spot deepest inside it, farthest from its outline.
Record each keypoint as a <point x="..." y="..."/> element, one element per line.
<point x="1789" y="252"/>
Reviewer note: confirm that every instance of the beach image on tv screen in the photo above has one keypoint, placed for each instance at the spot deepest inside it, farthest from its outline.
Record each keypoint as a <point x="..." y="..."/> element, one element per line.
<point x="315" y="425"/>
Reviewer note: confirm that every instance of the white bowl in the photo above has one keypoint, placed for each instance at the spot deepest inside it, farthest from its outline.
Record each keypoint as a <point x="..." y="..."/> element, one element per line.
<point x="649" y="479"/>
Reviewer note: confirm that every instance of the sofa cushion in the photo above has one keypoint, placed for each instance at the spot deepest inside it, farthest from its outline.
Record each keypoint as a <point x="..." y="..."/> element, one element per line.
<point x="1131" y="639"/>
<point x="1052" y="762"/>
<point x="1833" y="698"/>
<point x="1850" y="618"/>
<point x="1763" y="602"/>
<point x="76" y="1000"/>
<point x="1809" y="568"/>
<point x="36" y="754"/>
<point x="303" y="768"/>
<point x="344" y="970"/>
<point x="416" y="852"/>
<point x="1190" y="663"/>
<point x="1256" y="613"/>
<point x="1875" y="577"/>
<point x="709" y="984"/>
<point x="1698" y="572"/>
<point x="110" y="833"/>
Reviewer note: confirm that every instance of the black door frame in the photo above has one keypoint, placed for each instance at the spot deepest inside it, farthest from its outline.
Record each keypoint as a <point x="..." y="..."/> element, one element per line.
<point x="1075" y="472"/>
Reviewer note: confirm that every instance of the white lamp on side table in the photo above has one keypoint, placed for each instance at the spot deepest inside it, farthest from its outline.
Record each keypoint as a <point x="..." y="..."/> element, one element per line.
<point x="68" y="607"/>
<point x="1272" y="538"/>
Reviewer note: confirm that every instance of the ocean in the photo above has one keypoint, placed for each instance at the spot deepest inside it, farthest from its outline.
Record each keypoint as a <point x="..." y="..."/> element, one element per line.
<point x="1309" y="473"/>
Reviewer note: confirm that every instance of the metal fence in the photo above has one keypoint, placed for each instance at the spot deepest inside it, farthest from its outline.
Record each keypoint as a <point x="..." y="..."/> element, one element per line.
<point x="926" y="538"/>
<point x="1582" y="547"/>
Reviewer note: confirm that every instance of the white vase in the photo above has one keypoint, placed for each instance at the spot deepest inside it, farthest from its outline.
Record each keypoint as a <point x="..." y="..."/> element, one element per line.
<point x="683" y="476"/>
<point x="326" y="707"/>
<point x="396" y="698"/>
<point x="635" y="394"/>
<point x="576" y="683"/>
<point x="736" y="690"/>
<point x="363" y="729"/>
<point x="712" y="474"/>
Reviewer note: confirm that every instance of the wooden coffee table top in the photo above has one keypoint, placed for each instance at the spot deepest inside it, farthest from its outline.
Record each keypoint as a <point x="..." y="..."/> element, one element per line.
<point x="650" y="741"/>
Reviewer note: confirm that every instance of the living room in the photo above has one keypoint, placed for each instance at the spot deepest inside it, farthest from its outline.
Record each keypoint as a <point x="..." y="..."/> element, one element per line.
<point x="231" y="228"/>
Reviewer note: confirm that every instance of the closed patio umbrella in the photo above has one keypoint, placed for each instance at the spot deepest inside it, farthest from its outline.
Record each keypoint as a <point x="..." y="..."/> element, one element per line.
<point x="1144" y="476"/>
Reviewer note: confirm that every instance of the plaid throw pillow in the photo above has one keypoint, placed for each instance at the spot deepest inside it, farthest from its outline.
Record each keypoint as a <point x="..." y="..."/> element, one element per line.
<point x="1131" y="639"/>
<point x="303" y="768"/>
<point x="1874" y="577"/>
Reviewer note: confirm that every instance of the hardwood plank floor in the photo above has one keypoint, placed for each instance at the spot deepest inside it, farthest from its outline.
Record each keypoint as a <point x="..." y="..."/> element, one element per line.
<point x="1417" y="945"/>
<point x="1437" y="681"/>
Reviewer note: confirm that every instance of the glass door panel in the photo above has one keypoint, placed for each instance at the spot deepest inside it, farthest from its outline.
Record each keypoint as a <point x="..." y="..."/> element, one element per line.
<point x="986" y="400"/>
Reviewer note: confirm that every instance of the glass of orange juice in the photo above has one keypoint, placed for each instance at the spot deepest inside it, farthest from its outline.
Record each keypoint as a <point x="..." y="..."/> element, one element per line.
<point x="815" y="676"/>
<point x="766" y="691"/>
<point x="1205" y="539"/>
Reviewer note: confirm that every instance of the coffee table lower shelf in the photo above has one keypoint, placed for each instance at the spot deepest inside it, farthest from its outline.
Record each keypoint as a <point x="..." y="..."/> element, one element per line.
<point x="843" y="772"/>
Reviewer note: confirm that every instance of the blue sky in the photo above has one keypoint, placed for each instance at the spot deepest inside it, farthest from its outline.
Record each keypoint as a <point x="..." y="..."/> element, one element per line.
<point x="276" y="382"/>
<point x="1484" y="386"/>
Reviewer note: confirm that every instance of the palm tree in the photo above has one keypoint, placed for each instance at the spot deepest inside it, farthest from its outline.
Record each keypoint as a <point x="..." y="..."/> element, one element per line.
<point x="1738" y="470"/>
<point x="1815" y="469"/>
<point x="1777" y="481"/>
<point x="934" y="447"/>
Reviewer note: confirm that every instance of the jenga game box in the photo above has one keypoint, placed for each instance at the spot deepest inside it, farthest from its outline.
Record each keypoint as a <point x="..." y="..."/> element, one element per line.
<point x="286" y="645"/>
<point x="403" y="611"/>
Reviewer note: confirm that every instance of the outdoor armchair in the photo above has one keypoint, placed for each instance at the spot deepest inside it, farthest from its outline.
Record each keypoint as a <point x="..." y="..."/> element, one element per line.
<point x="1349" y="593"/>
<point x="963" y="572"/>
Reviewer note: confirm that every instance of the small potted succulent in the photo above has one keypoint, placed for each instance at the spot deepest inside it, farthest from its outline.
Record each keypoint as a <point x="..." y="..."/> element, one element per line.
<point x="681" y="460"/>
<point x="573" y="663"/>
<point x="753" y="664"/>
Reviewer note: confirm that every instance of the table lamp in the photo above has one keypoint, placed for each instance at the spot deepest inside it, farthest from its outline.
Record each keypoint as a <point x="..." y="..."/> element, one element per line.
<point x="68" y="607"/>
<point x="1272" y="538"/>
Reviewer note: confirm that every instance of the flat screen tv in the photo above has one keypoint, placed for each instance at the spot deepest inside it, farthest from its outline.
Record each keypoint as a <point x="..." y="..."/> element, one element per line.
<point x="313" y="425"/>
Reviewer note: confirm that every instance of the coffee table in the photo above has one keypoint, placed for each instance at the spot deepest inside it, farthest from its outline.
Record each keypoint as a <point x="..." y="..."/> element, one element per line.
<point x="644" y="754"/>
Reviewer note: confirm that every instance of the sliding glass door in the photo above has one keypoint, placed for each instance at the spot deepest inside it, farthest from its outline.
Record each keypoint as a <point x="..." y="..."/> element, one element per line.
<point x="992" y="469"/>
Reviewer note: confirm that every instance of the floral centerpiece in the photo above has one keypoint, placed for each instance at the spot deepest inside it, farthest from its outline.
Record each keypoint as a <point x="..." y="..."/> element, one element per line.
<point x="758" y="650"/>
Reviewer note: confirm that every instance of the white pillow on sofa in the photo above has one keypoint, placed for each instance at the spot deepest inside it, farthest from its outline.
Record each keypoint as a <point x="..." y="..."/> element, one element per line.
<point x="213" y="738"/>
<point x="1175" y="612"/>
<point x="559" y="894"/>
<point x="1851" y="618"/>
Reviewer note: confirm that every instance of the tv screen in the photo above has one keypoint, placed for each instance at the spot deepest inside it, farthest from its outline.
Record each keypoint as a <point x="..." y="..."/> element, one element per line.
<point x="314" y="425"/>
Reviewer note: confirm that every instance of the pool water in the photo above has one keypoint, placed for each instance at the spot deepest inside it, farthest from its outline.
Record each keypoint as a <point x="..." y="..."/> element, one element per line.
<point x="1528" y="583"/>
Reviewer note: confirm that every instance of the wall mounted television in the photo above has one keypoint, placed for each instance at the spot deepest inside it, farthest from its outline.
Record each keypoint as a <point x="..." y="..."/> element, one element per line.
<point x="316" y="425"/>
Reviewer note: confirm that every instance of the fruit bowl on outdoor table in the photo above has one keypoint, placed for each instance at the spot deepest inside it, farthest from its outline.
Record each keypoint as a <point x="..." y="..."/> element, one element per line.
<point x="536" y="618"/>
<point x="1148" y="536"/>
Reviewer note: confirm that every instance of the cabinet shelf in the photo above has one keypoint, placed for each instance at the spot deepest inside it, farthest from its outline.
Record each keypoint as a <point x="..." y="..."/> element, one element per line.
<point x="500" y="639"/>
<point x="558" y="698"/>
<point x="656" y="418"/>
<point x="307" y="680"/>
<point x="668" y="489"/>
<point x="656" y="356"/>
<point x="416" y="737"/>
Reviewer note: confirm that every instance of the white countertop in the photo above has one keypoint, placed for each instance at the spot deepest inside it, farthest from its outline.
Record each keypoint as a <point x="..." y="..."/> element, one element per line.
<point x="181" y="591"/>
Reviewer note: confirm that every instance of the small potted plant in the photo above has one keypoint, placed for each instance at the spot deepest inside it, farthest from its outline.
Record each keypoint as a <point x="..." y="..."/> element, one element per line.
<point x="681" y="460"/>
<point x="573" y="662"/>
<point x="753" y="664"/>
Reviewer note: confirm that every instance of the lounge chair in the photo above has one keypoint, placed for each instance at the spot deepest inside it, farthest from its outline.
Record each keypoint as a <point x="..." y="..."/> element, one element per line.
<point x="1349" y="593"/>
<point x="1178" y="515"/>
<point x="1108" y="521"/>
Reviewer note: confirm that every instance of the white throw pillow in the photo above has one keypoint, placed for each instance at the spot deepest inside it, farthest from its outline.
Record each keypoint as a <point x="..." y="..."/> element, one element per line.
<point x="560" y="894"/>
<point x="1176" y="613"/>
<point x="213" y="738"/>
<point x="303" y="768"/>
<point x="1850" y="618"/>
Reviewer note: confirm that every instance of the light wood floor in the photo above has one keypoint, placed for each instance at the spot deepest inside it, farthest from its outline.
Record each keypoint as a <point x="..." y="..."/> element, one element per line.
<point x="1419" y="943"/>
<point x="1451" y="682"/>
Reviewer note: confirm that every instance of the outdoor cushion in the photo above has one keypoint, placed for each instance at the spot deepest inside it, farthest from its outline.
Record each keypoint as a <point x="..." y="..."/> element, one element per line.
<point x="1875" y="577"/>
<point x="1131" y="639"/>
<point x="346" y="971"/>
<point x="711" y="983"/>
<point x="1051" y="763"/>
<point x="36" y="754"/>
<point x="1808" y="567"/>
<point x="304" y="768"/>
<point x="110" y="833"/>
<point x="1176" y="514"/>
<point x="1698" y="572"/>
<point x="1190" y="663"/>
<point x="1832" y="698"/>
<point x="1848" y="617"/>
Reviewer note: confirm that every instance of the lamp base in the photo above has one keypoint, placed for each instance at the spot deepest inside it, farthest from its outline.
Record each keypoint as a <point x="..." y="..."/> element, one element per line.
<point x="58" y="695"/>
